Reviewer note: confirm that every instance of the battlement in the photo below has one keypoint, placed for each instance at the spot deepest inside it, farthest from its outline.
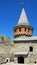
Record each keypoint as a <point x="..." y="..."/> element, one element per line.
<point x="5" y="39"/>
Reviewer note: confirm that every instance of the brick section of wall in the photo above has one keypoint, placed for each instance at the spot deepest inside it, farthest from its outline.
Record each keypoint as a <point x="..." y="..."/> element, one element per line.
<point x="23" y="31"/>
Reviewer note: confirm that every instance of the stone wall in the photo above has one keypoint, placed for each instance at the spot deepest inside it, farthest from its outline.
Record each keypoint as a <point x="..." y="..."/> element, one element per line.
<point x="6" y="49"/>
<point x="24" y="47"/>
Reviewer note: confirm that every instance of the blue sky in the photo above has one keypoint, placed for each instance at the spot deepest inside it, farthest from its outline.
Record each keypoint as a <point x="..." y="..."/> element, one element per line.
<point x="10" y="11"/>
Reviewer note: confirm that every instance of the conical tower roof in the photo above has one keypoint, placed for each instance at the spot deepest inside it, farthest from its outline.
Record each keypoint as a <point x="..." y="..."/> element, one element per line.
<point x="23" y="18"/>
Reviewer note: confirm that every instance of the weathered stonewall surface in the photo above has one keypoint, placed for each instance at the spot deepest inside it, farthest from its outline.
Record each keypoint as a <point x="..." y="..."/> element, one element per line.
<point x="6" y="49"/>
<point x="17" y="64"/>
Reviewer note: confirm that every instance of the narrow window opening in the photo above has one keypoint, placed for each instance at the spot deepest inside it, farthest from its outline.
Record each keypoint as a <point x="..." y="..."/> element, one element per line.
<point x="35" y="62"/>
<point x="25" y="29"/>
<point x="19" y="29"/>
<point x="28" y="29"/>
<point x="30" y="49"/>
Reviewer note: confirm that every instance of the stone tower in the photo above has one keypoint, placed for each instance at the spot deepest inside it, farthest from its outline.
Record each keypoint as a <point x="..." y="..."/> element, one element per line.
<point x="25" y="44"/>
<point x="23" y="27"/>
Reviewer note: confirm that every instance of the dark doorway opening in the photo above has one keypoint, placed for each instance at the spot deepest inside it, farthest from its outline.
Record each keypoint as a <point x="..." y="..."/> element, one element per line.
<point x="21" y="59"/>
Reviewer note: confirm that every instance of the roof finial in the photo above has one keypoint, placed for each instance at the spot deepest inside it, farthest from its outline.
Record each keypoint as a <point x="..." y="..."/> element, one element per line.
<point x="22" y="3"/>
